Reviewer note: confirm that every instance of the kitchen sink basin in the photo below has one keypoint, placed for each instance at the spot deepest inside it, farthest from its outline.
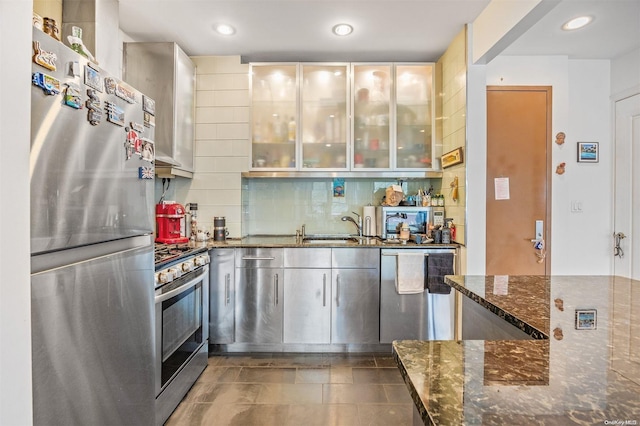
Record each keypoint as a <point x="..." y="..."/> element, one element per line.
<point x="329" y="239"/>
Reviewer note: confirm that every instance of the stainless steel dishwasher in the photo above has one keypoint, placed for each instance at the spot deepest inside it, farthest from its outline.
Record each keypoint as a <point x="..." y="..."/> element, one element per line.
<point x="421" y="316"/>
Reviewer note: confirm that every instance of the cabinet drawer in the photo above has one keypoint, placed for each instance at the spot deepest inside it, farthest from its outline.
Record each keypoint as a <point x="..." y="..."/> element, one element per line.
<point x="307" y="257"/>
<point x="355" y="258"/>
<point x="259" y="257"/>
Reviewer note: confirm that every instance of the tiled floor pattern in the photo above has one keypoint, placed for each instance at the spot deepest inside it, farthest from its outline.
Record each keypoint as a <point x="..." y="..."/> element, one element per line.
<point x="297" y="390"/>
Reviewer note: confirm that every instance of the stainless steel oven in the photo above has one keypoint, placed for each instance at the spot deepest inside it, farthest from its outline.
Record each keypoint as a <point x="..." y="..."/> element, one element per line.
<point x="182" y="328"/>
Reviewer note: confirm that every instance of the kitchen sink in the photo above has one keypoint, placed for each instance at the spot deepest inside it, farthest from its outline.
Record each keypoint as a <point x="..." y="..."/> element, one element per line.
<point x="306" y="241"/>
<point x="330" y="239"/>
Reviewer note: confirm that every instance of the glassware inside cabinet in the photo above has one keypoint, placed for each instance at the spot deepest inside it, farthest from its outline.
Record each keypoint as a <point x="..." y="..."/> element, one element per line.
<point x="414" y="116"/>
<point x="274" y="112"/>
<point x="371" y="115"/>
<point x="324" y="116"/>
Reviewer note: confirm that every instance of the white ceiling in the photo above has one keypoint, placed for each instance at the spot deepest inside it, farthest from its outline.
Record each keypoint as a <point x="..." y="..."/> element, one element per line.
<point x="385" y="30"/>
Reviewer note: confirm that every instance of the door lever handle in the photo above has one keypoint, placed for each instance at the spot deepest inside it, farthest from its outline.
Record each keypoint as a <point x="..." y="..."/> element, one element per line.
<point x="617" y="250"/>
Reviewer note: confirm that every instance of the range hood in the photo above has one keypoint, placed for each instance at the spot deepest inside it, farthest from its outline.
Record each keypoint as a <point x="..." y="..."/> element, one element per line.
<point x="168" y="167"/>
<point x="166" y="74"/>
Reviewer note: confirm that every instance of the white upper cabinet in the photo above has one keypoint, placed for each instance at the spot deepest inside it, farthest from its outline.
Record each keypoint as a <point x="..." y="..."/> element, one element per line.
<point x="373" y="117"/>
<point x="274" y="102"/>
<point x="325" y="118"/>
<point x="414" y="115"/>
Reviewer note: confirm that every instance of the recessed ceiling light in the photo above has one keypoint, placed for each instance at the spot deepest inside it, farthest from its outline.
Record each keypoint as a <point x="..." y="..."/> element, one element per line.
<point x="342" y="29"/>
<point x="225" y="29"/>
<point x="576" y="23"/>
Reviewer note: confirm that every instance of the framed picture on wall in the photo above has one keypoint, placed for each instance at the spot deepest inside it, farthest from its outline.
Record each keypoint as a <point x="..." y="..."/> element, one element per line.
<point x="588" y="152"/>
<point x="586" y="319"/>
<point x="452" y="158"/>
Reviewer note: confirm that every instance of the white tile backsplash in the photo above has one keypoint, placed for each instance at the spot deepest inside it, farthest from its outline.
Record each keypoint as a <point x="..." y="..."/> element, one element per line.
<point x="233" y="131"/>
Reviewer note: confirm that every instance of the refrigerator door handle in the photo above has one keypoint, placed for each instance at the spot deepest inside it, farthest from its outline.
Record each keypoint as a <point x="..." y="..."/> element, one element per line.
<point x="41" y="263"/>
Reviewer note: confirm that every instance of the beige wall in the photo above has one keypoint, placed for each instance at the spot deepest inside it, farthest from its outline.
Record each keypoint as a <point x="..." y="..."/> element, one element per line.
<point x="49" y="9"/>
<point x="453" y="66"/>
<point x="222" y="142"/>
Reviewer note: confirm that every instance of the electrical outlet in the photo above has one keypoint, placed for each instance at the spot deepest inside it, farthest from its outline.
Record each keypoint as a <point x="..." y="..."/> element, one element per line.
<point x="576" y="206"/>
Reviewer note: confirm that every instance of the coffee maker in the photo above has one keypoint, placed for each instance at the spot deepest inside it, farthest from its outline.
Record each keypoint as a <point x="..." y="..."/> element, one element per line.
<point x="170" y="223"/>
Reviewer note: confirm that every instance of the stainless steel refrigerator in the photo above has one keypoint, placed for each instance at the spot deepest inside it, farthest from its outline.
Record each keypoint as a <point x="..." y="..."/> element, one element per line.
<point x="92" y="222"/>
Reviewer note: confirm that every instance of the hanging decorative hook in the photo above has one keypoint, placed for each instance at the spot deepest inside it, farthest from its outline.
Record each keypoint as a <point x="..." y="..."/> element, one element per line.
<point x="454" y="189"/>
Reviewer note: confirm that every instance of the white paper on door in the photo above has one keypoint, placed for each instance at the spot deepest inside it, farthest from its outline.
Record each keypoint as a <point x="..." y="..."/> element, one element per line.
<point x="501" y="188"/>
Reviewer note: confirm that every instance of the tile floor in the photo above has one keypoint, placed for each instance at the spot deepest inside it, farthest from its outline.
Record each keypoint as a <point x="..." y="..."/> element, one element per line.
<point x="297" y="389"/>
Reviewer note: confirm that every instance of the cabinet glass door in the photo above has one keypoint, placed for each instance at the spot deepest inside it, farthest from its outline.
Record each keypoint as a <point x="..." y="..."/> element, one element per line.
<point x="274" y="111"/>
<point x="414" y="116"/>
<point x="324" y="116"/>
<point x="371" y="116"/>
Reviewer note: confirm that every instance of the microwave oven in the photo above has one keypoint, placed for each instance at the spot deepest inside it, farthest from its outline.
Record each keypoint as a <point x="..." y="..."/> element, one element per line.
<point x="390" y="219"/>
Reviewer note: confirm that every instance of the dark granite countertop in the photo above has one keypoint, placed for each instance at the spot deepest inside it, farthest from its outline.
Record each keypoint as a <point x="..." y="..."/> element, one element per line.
<point x="587" y="376"/>
<point x="291" y="241"/>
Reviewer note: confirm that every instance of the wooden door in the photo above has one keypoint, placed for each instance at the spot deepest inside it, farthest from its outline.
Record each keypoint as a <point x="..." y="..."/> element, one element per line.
<point x="627" y="188"/>
<point x="518" y="156"/>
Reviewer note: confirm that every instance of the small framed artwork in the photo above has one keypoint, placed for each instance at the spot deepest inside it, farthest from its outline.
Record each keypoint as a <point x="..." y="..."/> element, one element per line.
<point x="588" y="152"/>
<point x="586" y="319"/>
<point x="452" y="158"/>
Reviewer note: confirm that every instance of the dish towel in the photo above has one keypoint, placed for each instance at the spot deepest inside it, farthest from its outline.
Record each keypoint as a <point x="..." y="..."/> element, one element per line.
<point x="439" y="265"/>
<point x="410" y="273"/>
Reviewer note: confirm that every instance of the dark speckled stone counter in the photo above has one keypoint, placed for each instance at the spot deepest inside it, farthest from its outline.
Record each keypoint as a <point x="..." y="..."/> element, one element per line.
<point x="574" y="377"/>
<point x="291" y="241"/>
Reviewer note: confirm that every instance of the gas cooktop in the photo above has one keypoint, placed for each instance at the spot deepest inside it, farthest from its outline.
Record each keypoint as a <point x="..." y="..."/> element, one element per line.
<point x="166" y="253"/>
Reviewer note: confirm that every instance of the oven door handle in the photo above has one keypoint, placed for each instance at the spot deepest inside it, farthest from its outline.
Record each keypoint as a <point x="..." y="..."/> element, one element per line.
<point x="186" y="286"/>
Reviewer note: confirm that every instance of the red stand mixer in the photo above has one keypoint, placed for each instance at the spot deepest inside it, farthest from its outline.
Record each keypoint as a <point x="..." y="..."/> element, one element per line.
<point x="170" y="223"/>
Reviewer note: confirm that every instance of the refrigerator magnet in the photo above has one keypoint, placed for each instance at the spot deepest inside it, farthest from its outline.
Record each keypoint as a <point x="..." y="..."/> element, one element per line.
<point x="92" y="78"/>
<point x="148" y="150"/>
<point x="137" y="127"/>
<point x="94" y="117"/>
<point x="44" y="58"/>
<point x="72" y="96"/>
<point x="115" y="114"/>
<point x="74" y="69"/>
<point x="125" y="93"/>
<point x="49" y="85"/>
<point x="148" y="105"/>
<point x="110" y="84"/>
<point x="128" y="150"/>
<point x="133" y="140"/>
<point x="145" y="172"/>
<point x="149" y="120"/>
<point x="93" y="105"/>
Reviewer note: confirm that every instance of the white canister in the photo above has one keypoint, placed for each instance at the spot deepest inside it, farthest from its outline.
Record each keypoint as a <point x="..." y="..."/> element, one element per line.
<point x="369" y="221"/>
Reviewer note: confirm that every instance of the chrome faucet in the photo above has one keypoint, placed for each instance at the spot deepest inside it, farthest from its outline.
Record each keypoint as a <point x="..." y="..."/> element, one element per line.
<point x="358" y="224"/>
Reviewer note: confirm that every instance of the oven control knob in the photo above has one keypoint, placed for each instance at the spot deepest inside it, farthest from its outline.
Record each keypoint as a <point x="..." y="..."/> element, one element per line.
<point x="163" y="277"/>
<point x="175" y="273"/>
<point x="201" y="260"/>
<point x="186" y="266"/>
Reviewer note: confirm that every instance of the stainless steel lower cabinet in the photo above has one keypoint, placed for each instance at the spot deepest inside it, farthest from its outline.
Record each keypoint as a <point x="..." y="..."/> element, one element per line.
<point x="259" y="303"/>
<point x="355" y="316"/>
<point x="222" y="296"/>
<point x="307" y="305"/>
<point x="355" y="291"/>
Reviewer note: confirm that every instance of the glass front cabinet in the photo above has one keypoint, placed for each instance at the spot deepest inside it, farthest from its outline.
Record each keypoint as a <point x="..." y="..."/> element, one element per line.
<point x="325" y="123"/>
<point x="345" y="117"/>
<point x="274" y="114"/>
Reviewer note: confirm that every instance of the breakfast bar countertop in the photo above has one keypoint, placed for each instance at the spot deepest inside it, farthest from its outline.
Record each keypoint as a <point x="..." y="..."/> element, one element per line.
<point x="583" y="368"/>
